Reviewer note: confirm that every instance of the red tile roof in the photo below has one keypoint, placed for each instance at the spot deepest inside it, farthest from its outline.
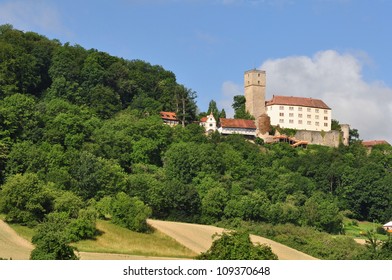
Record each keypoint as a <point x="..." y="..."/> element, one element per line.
<point x="168" y="116"/>
<point x="237" y="123"/>
<point x="297" y="101"/>
<point x="203" y="119"/>
<point x="372" y="143"/>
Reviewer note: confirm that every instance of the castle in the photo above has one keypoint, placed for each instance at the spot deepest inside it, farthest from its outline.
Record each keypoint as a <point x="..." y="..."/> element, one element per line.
<point x="310" y="117"/>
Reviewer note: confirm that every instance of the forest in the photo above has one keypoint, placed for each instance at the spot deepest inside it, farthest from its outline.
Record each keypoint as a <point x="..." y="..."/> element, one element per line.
<point x="81" y="139"/>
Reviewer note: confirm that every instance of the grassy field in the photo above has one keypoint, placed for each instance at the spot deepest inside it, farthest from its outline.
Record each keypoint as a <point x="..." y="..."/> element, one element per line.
<point x="115" y="239"/>
<point x="118" y="240"/>
<point x="358" y="229"/>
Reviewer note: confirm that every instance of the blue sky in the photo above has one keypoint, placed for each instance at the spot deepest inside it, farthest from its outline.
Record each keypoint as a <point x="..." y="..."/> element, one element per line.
<point x="336" y="50"/>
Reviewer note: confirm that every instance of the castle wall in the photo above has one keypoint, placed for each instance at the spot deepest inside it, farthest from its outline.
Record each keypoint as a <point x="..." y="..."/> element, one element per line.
<point x="331" y="138"/>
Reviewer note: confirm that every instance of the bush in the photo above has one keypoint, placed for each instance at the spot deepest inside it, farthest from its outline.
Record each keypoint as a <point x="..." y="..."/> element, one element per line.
<point x="84" y="226"/>
<point x="25" y="199"/>
<point x="237" y="246"/>
<point x="130" y="212"/>
<point x="52" y="239"/>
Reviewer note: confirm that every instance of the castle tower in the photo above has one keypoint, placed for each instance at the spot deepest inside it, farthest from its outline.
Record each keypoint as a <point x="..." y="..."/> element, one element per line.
<point x="254" y="87"/>
<point x="345" y="133"/>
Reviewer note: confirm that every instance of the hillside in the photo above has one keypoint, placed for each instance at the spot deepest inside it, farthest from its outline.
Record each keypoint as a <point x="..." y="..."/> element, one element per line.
<point x="81" y="137"/>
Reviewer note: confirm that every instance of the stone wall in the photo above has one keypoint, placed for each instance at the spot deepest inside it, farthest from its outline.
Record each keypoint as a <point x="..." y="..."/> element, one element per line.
<point x="331" y="138"/>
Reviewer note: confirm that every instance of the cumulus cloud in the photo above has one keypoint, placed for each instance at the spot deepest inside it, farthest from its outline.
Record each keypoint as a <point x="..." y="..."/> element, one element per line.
<point x="229" y="90"/>
<point x="335" y="78"/>
<point x="31" y="15"/>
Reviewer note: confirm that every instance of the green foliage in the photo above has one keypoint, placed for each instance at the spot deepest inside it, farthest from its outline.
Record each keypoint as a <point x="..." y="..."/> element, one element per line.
<point x="308" y="240"/>
<point x="83" y="227"/>
<point x="237" y="246"/>
<point x="24" y="199"/>
<point x="377" y="249"/>
<point x="69" y="203"/>
<point x="239" y="108"/>
<point x="130" y="212"/>
<point x="52" y="239"/>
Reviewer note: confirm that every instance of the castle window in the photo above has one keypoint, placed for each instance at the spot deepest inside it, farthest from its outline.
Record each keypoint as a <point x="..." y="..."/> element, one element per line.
<point x="291" y="108"/>
<point x="317" y="110"/>
<point x="281" y="120"/>
<point x="309" y="116"/>
<point x="317" y="117"/>
<point x="291" y="121"/>
<point x="317" y="124"/>
<point x="309" y="123"/>
<point x="325" y="118"/>
<point x="281" y="114"/>
<point x="299" y="115"/>
<point x="309" y="109"/>
<point x="291" y="115"/>
<point x="299" y="108"/>
<point x="300" y="122"/>
<point x="325" y="124"/>
<point x="210" y="124"/>
<point x="258" y="82"/>
<point x="281" y="107"/>
<point x="325" y="111"/>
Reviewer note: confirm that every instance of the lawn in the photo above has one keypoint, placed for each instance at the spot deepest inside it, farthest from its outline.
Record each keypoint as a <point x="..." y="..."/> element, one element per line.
<point x="115" y="239"/>
<point x="358" y="229"/>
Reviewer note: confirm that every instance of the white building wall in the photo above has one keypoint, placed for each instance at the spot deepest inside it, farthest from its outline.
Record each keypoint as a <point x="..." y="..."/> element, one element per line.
<point x="300" y="118"/>
<point x="242" y="131"/>
<point x="210" y="124"/>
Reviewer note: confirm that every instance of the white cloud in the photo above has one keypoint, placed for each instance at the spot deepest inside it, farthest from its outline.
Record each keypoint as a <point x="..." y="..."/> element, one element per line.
<point x="31" y="15"/>
<point x="229" y="90"/>
<point x="335" y="78"/>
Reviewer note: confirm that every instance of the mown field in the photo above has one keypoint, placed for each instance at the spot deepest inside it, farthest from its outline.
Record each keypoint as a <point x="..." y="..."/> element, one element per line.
<point x="115" y="239"/>
<point x="118" y="240"/>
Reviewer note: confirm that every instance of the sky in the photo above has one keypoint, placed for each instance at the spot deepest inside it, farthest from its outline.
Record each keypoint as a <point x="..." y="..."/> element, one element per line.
<point x="339" y="51"/>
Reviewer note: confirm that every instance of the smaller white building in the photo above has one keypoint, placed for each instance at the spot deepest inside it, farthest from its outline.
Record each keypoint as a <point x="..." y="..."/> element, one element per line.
<point x="169" y="118"/>
<point x="209" y="123"/>
<point x="237" y="126"/>
<point x="388" y="226"/>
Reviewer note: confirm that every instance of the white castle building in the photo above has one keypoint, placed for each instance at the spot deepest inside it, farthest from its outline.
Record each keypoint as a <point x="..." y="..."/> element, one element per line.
<point x="301" y="113"/>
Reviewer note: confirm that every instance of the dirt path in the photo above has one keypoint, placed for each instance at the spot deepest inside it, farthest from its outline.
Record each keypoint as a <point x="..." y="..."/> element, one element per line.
<point x="199" y="239"/>
<point x="12" y="245"/>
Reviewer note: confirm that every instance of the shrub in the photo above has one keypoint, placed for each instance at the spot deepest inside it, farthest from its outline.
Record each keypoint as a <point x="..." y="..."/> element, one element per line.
<point x="237" y="246"/>
<point x="130" y="212"/>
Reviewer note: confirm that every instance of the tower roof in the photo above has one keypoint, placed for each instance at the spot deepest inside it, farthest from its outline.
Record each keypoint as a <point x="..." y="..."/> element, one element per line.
<point x="297" y="101"/>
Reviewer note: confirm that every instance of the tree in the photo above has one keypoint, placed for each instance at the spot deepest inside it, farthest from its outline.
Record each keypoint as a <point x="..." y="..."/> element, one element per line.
<point x="130" y="212"/>
<point x="24" y="199"/>
<point x="213" y="204"/>
<point x="52" y="239"/>
<point x="237" y="246"/>
<point x="185" y="104"/>
<point x="353" y="135"/>
<point x="222" y="114"/>
<point x="335" y="125"/>
<point x="18" y="116"/>
<point x="239" y="108"/>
